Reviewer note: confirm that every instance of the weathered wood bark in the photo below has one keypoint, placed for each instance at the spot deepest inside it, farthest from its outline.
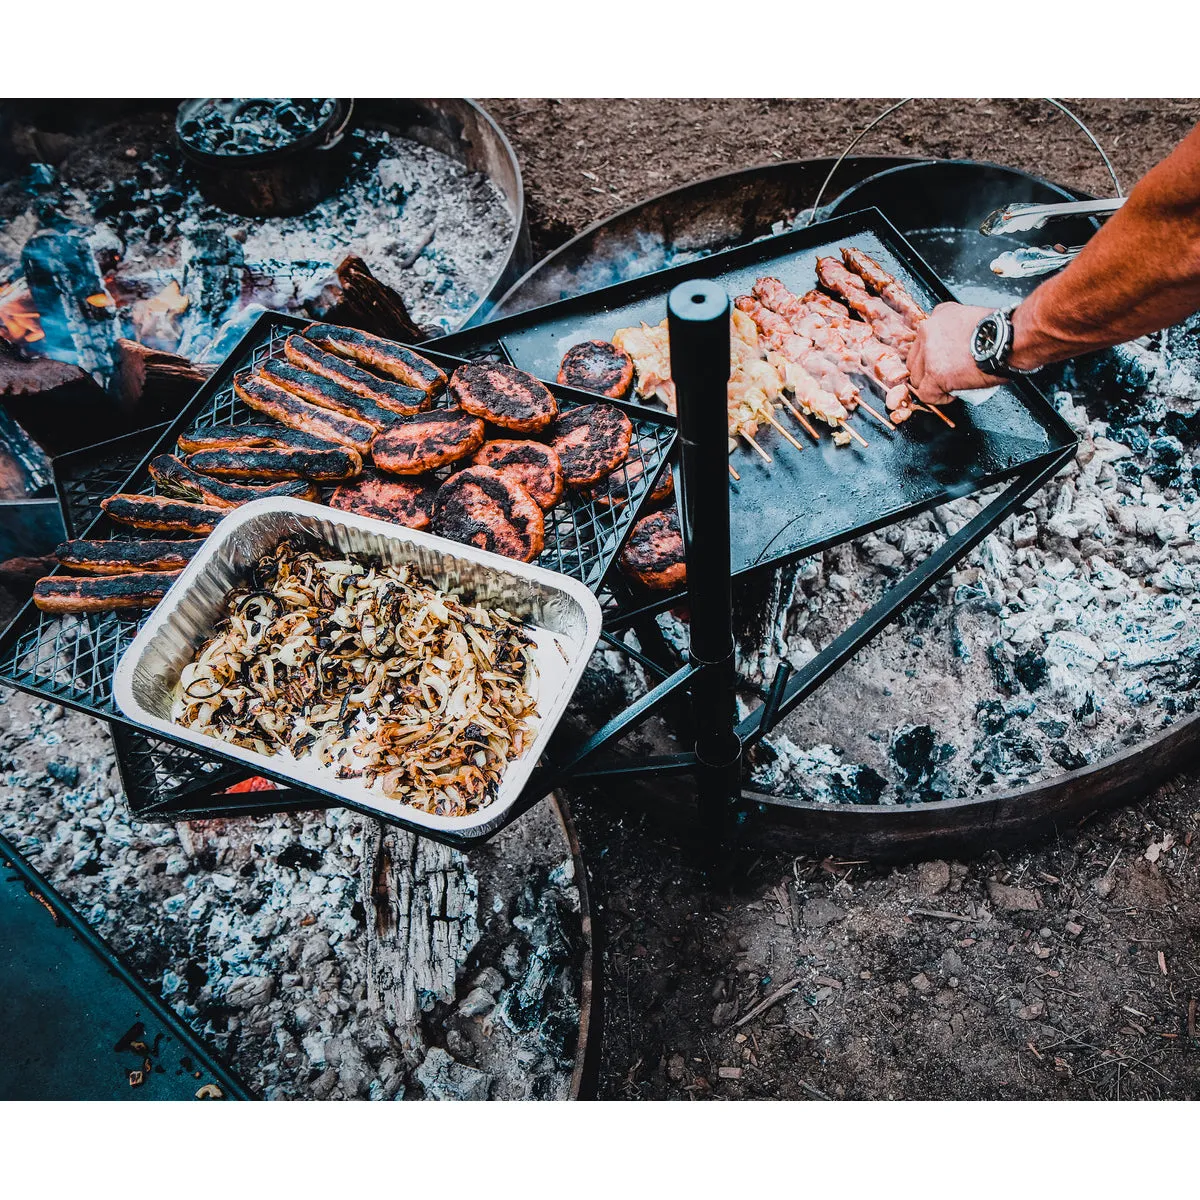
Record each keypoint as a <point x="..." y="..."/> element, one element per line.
<point x="22" y="573"/>
<point x="39" y="376"/>
<point x="360" y="300"/>
<point x="145" y="375"/>
<point x="421" y="902"/>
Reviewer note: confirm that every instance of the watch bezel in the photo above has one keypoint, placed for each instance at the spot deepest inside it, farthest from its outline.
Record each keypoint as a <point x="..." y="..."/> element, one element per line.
<point x="994" y="360"/>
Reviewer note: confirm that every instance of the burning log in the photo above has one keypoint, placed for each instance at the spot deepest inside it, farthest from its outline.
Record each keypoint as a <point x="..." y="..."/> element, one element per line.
<point x="24" y="467"/>
<point x="146" y="375"/>
<point x="55" y="401"/>
<point x="39" y="376"/>
<point x="421" y="926"/>
<point x="358" y="299"/>
<point x="21" y="573"/>
<point x="69" y="296"/>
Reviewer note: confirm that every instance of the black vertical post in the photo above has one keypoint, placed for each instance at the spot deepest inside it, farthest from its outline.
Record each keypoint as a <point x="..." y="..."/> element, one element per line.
<point x="698" y="322"/>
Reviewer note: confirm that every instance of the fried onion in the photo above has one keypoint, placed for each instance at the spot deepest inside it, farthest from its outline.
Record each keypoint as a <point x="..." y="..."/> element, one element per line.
<point x="371" y="670"/>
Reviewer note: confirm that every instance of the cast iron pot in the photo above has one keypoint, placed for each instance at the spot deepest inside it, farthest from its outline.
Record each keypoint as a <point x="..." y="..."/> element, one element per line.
<point x="288" y="179"/>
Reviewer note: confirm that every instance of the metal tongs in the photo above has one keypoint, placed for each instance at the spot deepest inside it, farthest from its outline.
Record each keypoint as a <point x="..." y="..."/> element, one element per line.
<point x="1024" y="218"/>
<point x="1031" y="261"/>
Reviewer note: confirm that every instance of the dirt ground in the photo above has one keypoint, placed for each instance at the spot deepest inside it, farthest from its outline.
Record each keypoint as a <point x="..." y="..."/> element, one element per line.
<point x="1068" y="970"/>
<point x="585" y="160"/>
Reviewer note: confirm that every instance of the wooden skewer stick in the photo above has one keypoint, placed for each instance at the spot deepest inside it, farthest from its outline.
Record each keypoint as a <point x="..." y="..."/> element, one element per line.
<point x="816" y="437"/>
<point x="882" y="420"/>
<point x="734" y="473"/>
<point x="756" y="447"/>
<point x="930" y="408"/>
<point x="858" y="437"/>
<point x="784" y="432"/>
<point x="937" y="412"/>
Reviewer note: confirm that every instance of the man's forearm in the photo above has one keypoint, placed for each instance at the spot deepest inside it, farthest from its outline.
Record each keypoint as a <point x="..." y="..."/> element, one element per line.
<point x="1141" y="272"/>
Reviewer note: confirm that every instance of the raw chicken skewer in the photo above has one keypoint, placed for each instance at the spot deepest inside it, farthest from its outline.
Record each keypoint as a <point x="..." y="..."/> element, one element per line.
<point x="850" y="288"/>
<point x="753" y="384"/>
<point x="886" y="286"/>
<point x="650" y="348"/>
<point x="827" y="324"/>
<point x="793" y="356"/>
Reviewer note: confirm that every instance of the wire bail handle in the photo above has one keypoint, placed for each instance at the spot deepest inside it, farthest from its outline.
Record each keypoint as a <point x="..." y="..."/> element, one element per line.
<point x="887" y="112"/>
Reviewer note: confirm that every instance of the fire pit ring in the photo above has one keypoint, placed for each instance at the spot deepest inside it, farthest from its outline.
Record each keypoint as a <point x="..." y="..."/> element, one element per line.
<point x="736" y="208"/>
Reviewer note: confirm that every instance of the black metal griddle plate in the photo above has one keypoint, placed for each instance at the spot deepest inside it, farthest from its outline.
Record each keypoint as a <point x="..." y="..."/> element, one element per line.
<point x="811" y="499"/>
<point x="71" y="659"/>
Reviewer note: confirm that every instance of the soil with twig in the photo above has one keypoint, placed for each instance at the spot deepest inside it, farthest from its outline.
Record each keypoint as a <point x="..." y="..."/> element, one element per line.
<point x="1071" y="969"/>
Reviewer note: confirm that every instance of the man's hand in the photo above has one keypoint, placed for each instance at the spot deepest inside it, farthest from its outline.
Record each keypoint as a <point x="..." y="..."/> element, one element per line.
<point x="940" y="360"/>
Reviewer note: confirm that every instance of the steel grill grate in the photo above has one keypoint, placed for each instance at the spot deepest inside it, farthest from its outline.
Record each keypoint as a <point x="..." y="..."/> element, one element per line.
<point x="72" y="659"/>
<point x="157" y="773"/>
<point x="84" y="477"/>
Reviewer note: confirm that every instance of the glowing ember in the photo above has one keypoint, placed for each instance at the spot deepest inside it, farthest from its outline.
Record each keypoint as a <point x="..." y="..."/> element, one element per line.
<point x="19" y="322"/>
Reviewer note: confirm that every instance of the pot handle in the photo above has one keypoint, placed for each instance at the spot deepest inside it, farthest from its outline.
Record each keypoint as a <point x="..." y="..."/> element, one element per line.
<point x="340" y="132"/>
<point x="887" y="112"/>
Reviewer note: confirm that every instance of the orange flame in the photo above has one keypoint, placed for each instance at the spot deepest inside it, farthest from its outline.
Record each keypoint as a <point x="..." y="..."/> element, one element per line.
<point x="19" y="320"/>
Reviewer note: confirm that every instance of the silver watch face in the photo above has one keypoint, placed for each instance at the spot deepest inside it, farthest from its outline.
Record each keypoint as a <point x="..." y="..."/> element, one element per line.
<point x="985" y="343"/>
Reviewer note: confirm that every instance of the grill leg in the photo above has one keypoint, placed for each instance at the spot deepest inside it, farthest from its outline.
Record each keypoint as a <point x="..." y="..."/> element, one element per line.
<point x="698" y="322"/>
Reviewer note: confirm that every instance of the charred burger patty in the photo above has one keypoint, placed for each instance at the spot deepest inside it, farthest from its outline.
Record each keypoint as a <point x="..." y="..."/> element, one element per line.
<point x="504" y="396"/>
<point x="482" y="508"/>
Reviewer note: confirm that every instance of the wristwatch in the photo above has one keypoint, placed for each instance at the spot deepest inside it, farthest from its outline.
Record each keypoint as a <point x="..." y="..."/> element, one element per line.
<point x="992" y="342"/>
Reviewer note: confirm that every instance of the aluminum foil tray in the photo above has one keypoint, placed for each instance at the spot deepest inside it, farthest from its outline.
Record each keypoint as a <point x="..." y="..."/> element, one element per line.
<point x="564" y="615"/>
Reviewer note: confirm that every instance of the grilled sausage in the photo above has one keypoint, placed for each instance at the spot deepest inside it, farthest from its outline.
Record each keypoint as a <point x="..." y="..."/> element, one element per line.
<point x="328" y="393"/>
<point x="101" y="593"/>
<point x="266" y="397"/>
<point x="480" y="507"/>
<point x="614" y="490"/>
<point x="174" y="478"/>
<point x="386" y="357"/>
<point x="402" y="501"/>
<point x="503" y="395"/>
<point x="534" y="466"/>
<point x="427" y="441"/>
<point x="162" y="514"/>
<point x="654" y="553"/>
<point x="118" y="555"/>
<point x="385" y="392"/>
<point x="249" y="437"/>
<point x="597" y="367"/>
<point x="591" y="441"/>
<point x="279" y="462"/>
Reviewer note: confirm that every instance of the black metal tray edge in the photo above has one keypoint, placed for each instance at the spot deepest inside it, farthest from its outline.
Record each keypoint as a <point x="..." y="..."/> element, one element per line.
<point x="59" y="466"/>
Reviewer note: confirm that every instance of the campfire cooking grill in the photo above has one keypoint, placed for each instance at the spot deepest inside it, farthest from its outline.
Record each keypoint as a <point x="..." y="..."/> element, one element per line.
<point x="968" y="824"/>
<point x="72" y="659"/>
<point x="1021" y="440"/>
<point x="811" y="499"/>
<point x="739" y="207"/>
